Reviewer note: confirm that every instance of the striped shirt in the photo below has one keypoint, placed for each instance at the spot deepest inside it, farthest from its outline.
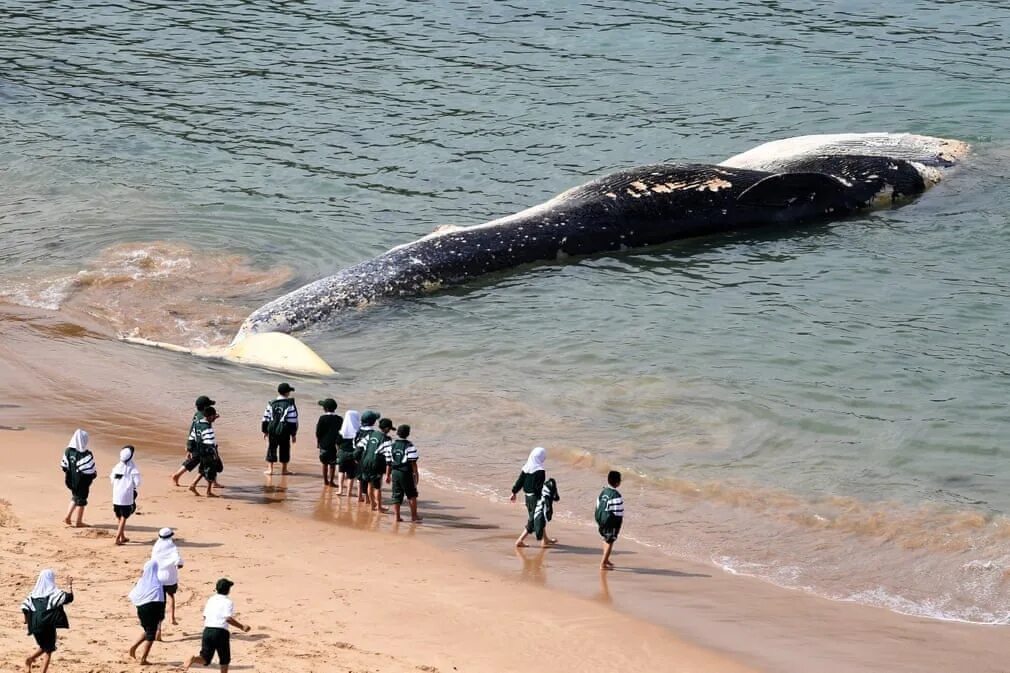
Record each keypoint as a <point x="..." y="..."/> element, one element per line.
<point x="291" y="417"/>
<point x="53" y="601"/>
<point x="202" y="435"/>
<point x="85" y="462"/>
<point x="405" y="453"/>
<point x="614" y="501"/>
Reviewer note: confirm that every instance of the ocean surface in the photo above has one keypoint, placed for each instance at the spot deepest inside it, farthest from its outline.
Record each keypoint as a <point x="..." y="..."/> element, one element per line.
<point x="825" y="409"/>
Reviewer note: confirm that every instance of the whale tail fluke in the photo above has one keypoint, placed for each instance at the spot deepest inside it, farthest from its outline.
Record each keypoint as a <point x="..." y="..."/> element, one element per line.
<point x="270" y="350"/>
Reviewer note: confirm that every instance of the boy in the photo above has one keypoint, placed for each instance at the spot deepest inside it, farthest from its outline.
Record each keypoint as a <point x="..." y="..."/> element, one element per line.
<point x="327" y="434"/>
<point x="204" y="442"/>
<point x="217" y="615"/>
<point x="373" y="462"/>
<point x="401" y="469"/>
<point x="280" y="427"/>
<point x="609" y="516"/>
<point x="192" y="456"/>
<point x="368" y="420"/>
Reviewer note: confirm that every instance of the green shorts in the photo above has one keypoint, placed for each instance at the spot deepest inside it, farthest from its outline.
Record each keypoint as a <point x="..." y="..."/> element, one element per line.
<point x="403" y="486"/>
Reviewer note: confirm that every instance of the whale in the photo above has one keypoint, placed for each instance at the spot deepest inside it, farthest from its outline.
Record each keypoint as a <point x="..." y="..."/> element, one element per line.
<point x="785" y="183"/>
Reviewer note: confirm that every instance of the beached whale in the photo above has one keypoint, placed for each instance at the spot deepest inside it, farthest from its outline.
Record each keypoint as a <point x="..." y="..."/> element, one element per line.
<point x="787" y="183"/>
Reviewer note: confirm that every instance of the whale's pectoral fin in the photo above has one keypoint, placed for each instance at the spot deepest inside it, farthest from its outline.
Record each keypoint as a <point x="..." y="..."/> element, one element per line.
<point x="785" y="189"/>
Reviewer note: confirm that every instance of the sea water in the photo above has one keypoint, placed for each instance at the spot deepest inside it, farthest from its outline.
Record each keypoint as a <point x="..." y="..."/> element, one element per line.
<point x="824" y="409"/>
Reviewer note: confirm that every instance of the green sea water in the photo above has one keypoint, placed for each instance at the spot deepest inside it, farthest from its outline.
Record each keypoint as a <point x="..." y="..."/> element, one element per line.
<point x="821" y="408"/>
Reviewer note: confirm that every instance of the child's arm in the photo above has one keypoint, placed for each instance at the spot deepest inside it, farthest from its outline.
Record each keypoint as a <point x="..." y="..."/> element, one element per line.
<point x="413" y="467"/>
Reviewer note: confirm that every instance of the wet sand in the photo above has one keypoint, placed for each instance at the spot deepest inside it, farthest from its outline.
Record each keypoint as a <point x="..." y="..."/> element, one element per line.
<point x="326" y="584"/>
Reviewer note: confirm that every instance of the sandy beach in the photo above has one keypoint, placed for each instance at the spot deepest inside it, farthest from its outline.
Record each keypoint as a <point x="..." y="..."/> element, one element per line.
<point x="329" y="586"/>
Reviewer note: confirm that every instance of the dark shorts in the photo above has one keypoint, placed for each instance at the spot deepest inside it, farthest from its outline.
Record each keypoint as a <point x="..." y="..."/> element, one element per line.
<point x="347" y="465"/>
<point x="279" y="448"/>
<point x="150" y="615"/>
<point x="367" y="480"/>
<point x="124" y="511"/>
<point x="80" y="494"/>
<point x="403" y="486"/>
<point x="215" y="641"/>
<point x="210" y="466"/>
<point x="47" y="639"/>
<point x="170" y="589"/>
<point x="328" y="457"/>
<point x="191" y="462"/>
<point x="610" y="532"/>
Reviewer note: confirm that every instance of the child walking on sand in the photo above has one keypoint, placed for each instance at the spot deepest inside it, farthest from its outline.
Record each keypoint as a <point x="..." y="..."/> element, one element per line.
<point x="401" y="469"/>
<point x="44" y="613"/>
<point x="79" y="469"/>
<point x="192" y="455"/>
<point x="169" y="561"/>
<point x="531" y="481"/>
<point x="217" y="616"/>
<point x="125" y="478"/>
<point x="205" y="442"/>
<point x="609" y="516"/>
<point x="148" y="596"/>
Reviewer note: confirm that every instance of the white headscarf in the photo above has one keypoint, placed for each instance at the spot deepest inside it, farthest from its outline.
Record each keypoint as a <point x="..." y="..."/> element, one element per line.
<point x="536" y="460"/>
<point x="166" y="554"/>
<point x="148" y="589"/>
<point x="352" y="423"/>
<point x="45" y="587"/>
<point x="79" y="441"/>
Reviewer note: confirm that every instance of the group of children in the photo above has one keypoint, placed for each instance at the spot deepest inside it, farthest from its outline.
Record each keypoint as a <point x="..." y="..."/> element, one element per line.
<point x="541" y="493"/>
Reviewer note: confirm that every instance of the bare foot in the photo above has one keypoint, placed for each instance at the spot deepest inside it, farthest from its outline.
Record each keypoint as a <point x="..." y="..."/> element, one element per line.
<point x="193" y="490"/>
<point x="286" y="472"/>
<point x="119" y="543"/>
<point x="521" y="544"/>
<point x="81" y="524"/>
<point x="399" y="520"/>
<point x="213" y="495"/>
<point x="416" y="519"/>
<point x="145" y="662"/>
<point x="133" y="652"/>
<point x="28" y="665"/>
<point x="373" y="506"/>
<point x="125" y="540"/>
<point x="175" y="480"/>
<point x="175" y="622"/>
<point x="383" y="510"/>
<point x="268" y="473"/>
<point x="607" y="566"/>
<point x="67" y="521"/>
<point x="550" y="540"/>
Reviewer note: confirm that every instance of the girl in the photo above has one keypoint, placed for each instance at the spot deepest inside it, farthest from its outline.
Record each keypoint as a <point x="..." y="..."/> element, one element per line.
<point x="346" y="463"/>
<point x="125" y="478"/>
<point x="44" y="613"/>
<point x="79" y="470"/>
<point x="167" y="556"/>
<point x="531" y="481"/>
<point x="149" y="598"/>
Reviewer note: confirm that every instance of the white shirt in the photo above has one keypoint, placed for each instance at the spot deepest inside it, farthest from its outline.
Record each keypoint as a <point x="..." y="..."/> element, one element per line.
<point x="123" y="488"/>
<point x="219" y="608"/>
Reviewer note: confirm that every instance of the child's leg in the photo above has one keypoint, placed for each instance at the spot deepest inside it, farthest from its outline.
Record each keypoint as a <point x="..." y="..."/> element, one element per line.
<point x="120" y="530"/>
<point x="171" y="608"/>
<point x="521" y="542"/>
<point x="178" y="474"/>
<point x="70" y="511"/>
<point x="133" y="648"/>
<point x="30" y="660"/>
<point x="333" y="474"/>
<point x="326" y="478"/>
<point x="196" y="481"/>
<point x="46" y="657"/>
<point x="378" y="499"/>
<point x="340" y="484"/>
<point x="605" y="564"/>
<point x="413" y="509"/>
<point x="396" y="510"/>
<point x="80" y="516"/>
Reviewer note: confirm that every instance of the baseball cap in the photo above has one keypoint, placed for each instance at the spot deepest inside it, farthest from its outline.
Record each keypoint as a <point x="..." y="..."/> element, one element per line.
<point x="369" y="417"/>
<point x="223" y="585"/>
<point x="204" y="401"/>
<point x="329" y="404"/>
<point x="285" y="388"/>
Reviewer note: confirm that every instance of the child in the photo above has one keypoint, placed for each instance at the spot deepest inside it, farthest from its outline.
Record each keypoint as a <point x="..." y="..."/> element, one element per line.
<point x="205" y="443"/>
<point x="280" y="428"/>
<point x="531" y="481"/>
<point x="346" y="463"/>
<point x="544" y="510"/>
<point x="609" y="516"/>
<point x="78" y="464"/>
<point x="373" y="462"/>
<point x="148" y="596"/>
<point x="125" y="478"/>
<point x="327" y="434"/>
<point x="169" y="561"/>
<point x="401" y="469"/>
<point x="192" y="454"/>
<point x="44" y="613"/>
<point x="217" y="616"/>
<point x="368" y="420"/>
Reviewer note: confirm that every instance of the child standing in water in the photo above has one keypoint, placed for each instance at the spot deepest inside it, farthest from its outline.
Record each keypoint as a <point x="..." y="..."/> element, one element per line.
<point x="401" y="470"/>
<point x="327" y="434"/>
<point x="347" y="465"/>
<point x="78" y="464"/>
<point x="610" y="516"/>
<point x="44" y="613"/>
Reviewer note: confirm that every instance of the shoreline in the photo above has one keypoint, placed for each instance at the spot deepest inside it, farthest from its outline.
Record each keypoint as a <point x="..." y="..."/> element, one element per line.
<point x="733" y="621"/>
